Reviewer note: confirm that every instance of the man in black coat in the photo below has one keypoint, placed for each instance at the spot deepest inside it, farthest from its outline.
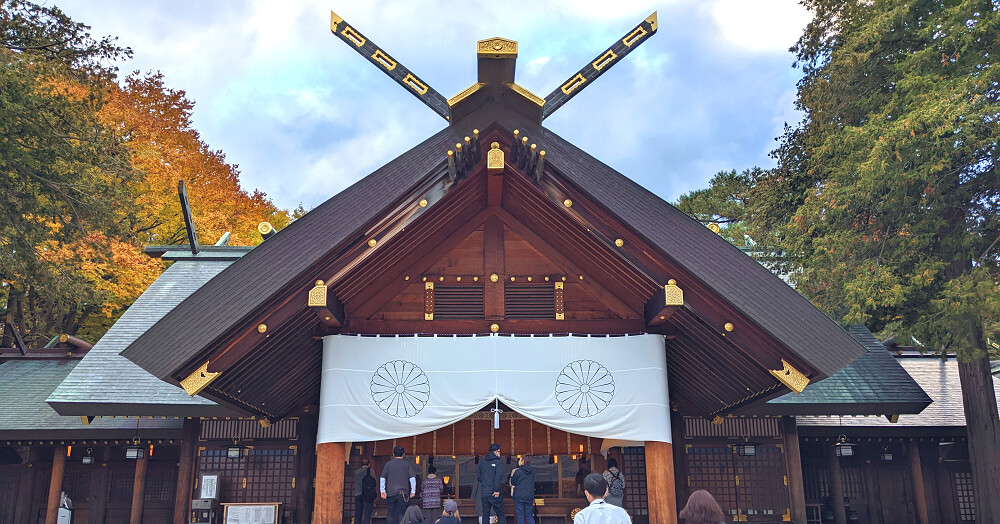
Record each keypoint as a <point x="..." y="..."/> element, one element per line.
<point x="490" y="477"/>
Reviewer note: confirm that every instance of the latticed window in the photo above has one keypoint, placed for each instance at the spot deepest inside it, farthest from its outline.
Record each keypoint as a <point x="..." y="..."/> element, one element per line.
<point x="161" y="482"/>
<point x="634" y="466"/>
<point x="76" y="484"/>
<point x="458" y="301"/>
<point x="748" y="488"/>
<point x="529" y="300"/>
<point x="262" y="475"/>
<point x="965" y="497"/>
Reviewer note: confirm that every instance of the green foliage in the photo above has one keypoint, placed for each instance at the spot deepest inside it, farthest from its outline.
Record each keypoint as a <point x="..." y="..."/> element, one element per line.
<point x="724" y="202"/>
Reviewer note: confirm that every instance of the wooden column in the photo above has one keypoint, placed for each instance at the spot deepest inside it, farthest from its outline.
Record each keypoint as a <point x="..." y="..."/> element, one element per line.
<point x="99" y="488"/>
<point x="55" y="485"/>
<point x="919" y="491"/>
<point x="306" y="462"/>
<point x="680" y="461"/>
<point x="660" y="483"/>
<point x="139" y="488"/>
<point x="793" y="467"/>
<point x="186" y="471"/>
<point x="836" y="487"/>
<point x="329" y="501"/>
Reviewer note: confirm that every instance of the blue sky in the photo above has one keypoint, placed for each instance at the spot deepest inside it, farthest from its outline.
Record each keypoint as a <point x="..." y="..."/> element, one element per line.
<point x="304" y="116"/>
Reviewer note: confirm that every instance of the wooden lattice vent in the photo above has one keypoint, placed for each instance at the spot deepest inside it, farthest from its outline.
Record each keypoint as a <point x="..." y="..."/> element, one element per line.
<point x="458" y="300"/>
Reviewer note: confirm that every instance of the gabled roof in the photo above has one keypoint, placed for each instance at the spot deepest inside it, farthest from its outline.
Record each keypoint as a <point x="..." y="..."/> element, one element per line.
<point x="24" y="386"/>
<point x="874" y="384"/>
<point x="939" y="379"/>
<point x="105" y="383"/>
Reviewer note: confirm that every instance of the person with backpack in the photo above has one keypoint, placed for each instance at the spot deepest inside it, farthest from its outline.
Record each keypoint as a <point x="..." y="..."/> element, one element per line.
<point x="522" y="483"/>
<point x="364" y="493"/>
<point x="616" y="484"/>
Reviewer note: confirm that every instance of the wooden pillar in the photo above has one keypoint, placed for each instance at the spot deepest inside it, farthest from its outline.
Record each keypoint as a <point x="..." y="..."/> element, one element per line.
<point x="680" y="461"/>
<point x="99" y="488"/>
<point x="329" y="498"/>
<point x="836" y="487"/>
<point x="55" y="485"/>
<point x="26" y="490"/>
<point x="793" y="468"/>
<point x="139" y="488"/>
<point x="306" y="462"/>
<point x="186" y="470"/>
<point x="660" y="483"/>
<point x="919" y="491"/>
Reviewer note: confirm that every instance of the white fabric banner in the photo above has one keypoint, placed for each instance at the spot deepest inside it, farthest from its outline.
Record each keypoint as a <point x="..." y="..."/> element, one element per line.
<point x="387" y="387"/>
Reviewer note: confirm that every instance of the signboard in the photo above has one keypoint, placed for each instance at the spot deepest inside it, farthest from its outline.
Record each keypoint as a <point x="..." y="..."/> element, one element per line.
<point x="209" y="487"/>
<point x="264" y="513"/>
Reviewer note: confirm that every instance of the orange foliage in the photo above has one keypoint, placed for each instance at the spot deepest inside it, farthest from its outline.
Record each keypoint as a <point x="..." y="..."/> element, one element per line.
<point x="156" y="122"/>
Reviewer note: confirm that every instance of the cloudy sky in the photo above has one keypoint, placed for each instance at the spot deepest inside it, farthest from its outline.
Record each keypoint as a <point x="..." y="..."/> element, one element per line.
<point x="304" y="116"/>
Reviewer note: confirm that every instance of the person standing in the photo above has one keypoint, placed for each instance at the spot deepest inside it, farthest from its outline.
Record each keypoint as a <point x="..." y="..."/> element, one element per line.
<point x="397" y="479"/>
<point x="599" y="512"/>
<point x="616" y="484"/>
<point x="430" y="489"/>
<point x="364" y="493"/>
<point x="701" y="508"/>
<point x="490" y="476"/>
<point x="523" y="484"/>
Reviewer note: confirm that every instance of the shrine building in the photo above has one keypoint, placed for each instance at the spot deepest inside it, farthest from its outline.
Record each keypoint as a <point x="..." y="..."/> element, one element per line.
<point x="493" y="284"/>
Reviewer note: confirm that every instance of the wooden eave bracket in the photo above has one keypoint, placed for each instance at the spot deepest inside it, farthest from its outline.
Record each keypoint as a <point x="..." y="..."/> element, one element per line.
<point x="199" y="380"/>
<point x="327" y="307"/>
<point x="792" y="378"/>
<point x="667" y="301"/>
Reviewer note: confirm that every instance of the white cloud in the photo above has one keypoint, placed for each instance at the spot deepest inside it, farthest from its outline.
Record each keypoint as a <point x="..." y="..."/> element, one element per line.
<point x="761" y="25"/>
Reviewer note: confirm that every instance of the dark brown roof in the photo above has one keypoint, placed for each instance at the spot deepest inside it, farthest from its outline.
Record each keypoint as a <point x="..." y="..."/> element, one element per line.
<point x="230" y="298"/>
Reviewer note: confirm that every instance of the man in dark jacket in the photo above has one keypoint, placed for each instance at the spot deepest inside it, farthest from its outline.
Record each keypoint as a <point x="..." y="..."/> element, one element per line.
<point x="490" y="477"/>
<point x="523" y="481"/>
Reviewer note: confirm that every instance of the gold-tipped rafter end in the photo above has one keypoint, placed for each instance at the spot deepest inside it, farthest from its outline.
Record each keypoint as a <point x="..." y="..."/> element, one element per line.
<point x="496" y="48"/>
<point x="317" y="295"/>
<point x="539" y="101"/>
<point x="651" y="19"/>
<point x="792" y="378"/>
<point x="494" y="158"/>
<point x="673" y="295"/>
<point x="335" y="20"/>
<point x="197" y="381"/>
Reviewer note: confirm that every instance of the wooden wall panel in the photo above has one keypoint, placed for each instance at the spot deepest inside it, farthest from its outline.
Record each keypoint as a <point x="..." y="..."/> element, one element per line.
<point x="539" y="439"/>
<point x="465" y="259"/>
<point x="522" y="436"/>
<point x="463" y="437"/>
<point x="523" y="259"/>
<point x="483" y="437"/>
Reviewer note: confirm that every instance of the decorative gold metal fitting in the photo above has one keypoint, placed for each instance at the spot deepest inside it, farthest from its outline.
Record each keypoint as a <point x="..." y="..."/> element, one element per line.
<point x="458" y="279"/>
<point x="422" y="203"/>
<point x="651" y="20"/>
<point x="619" y="242"/>
<point x="334" y="21"/>
<point x="673" y="295"/>
<point x="428" y="285"/>
<point x="494" y="277"/>
<point x="568" y="203"/>
<point x="714" y="227"/>
<point x="494" y="159"/>
<point x="529" y="279"/>
<point x="372" y="243"/>
<point x="265" y="228"/>
<point x="353" y="35"/>
<point x="382" y="58"/>
<point x="511" y="279"/>
<point x="537" y="100"/>
<point x="604" y="60"/>
<point x="496" y="48"/>
<point x="636" y="34"/>
<point x="465" y="93"/>
<point x="265" y="423"/>
<point x="195" y="382"/>
<point x="893" y="419"/>
<point x="475" y="279"/>
<point x="729" y="326"/>
<point x="559" y="285"/>
<point x="317" y="295"/>
<point x="415" y="84"/>
<point x="573" y="84"/>
<point x="790" y="377"/>
<point x="718" y="420"/>
<point x="261" y="328"/>
<point x="494" y="327"/>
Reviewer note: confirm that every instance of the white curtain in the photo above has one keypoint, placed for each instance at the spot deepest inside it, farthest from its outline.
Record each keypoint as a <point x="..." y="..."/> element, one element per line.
<point x="387" y="387"/>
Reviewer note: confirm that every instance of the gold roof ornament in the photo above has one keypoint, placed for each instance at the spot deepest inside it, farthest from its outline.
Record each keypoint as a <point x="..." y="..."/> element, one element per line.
<point x="673" y="295"/>
<point x="496" y="48"/>
<point x="317" y="295"/>
<point x="790" y="377"/>
<point x="715" y="228"/>
<point x="494" y="159"/>
<point x="197" y="381"/>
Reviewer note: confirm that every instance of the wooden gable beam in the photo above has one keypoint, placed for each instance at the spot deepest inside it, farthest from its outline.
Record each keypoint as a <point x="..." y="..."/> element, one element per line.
<point x="609" y="299"/>
<point x="663" y="305"/>
<point x="325" y="305"/>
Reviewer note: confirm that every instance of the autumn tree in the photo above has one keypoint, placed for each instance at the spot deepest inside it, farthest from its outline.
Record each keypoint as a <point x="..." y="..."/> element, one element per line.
<point x="885" y="203"/>
<point x="64" y="176"/>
